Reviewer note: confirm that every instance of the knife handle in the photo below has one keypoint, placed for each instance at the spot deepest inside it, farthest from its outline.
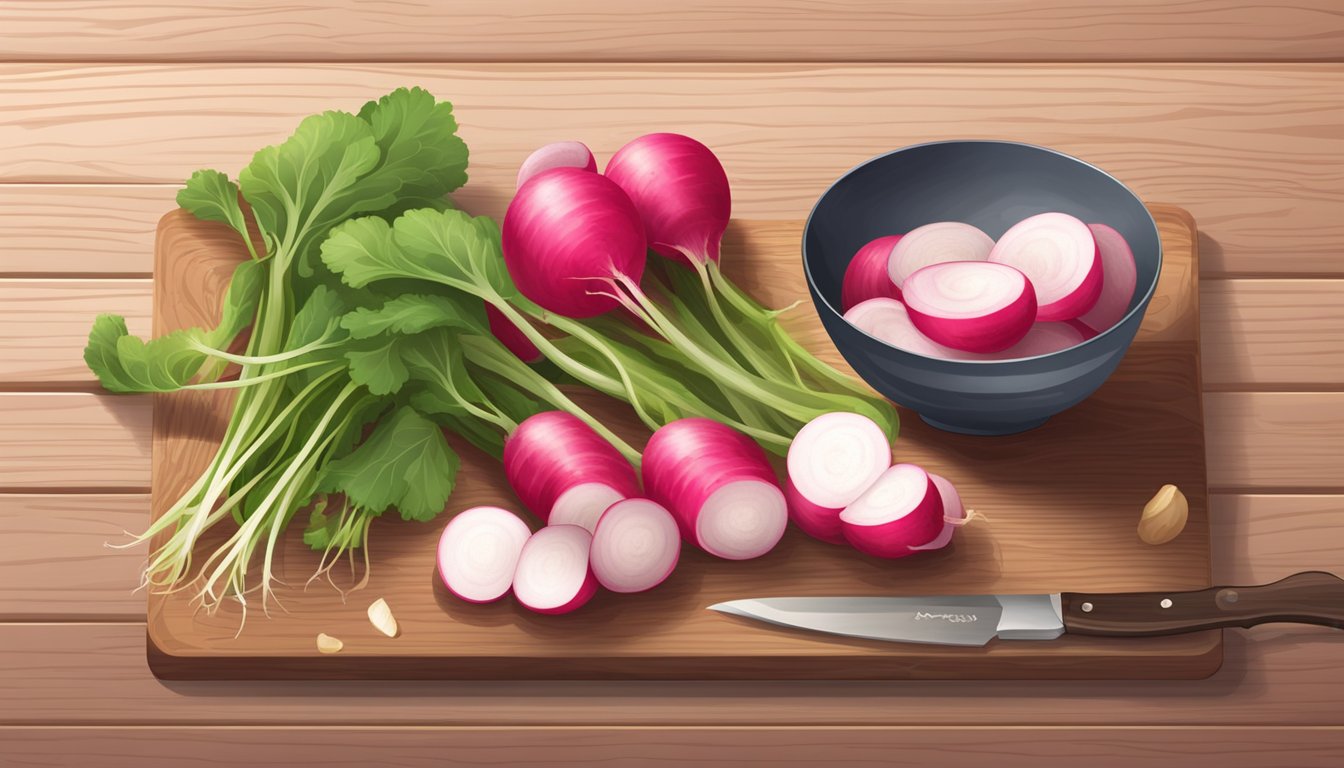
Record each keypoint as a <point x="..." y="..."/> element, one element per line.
<point x="1310" y="597"/>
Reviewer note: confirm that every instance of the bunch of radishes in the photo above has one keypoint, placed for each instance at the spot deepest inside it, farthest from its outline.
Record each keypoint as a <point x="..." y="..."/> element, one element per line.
<point x="948" y="290"/>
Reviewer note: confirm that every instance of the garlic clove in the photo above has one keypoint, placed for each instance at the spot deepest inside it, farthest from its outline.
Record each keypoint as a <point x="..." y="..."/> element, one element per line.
<point x="1164" y="516"/>
<point x="380" y="615"/>
<point x="328" y="644"/>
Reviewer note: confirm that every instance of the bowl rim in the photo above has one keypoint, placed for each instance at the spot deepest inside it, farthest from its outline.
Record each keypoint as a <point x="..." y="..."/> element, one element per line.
<point x="1142" y="306"/>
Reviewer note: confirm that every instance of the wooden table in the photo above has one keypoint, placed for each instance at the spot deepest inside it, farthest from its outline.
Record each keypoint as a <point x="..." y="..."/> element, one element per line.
<point x="1234" y="110"/>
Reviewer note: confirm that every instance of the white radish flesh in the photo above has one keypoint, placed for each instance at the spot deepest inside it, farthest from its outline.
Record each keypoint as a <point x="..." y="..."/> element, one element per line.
<point x="836" y="456"/>
<point x="936" y="243"/>
<point x="888" y="320"/>
<point x="902" y="510"/>
<point x="560" y="154"/>
<point x="1119" y="276"/>
<point x="973" y="306"/>
<point x="583" y="504"/>
<point x="1043" y="339"/>
<point x="553" y="575"/>
<point x="1058" y="253"/>
<point x="636" y="546"/>
<point x="563" y="471"/>
<point x="867" y="277"/>
<point x="478" y="553"/>
<point x="954" y="513"/>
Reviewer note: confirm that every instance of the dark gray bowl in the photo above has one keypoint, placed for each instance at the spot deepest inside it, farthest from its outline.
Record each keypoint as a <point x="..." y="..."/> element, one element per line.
<point x="993" y="185"/>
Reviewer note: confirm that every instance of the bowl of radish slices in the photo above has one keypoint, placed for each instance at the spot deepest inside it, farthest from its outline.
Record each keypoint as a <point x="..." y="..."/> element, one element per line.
<point x="985" y="285"/>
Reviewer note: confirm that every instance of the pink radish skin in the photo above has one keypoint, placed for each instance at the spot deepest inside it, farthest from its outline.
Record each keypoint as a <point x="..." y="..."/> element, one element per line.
<point x="1058" y="254"/>
<point x="835" y="457"/>
<point x="936" y="243"/>
<point x="564" y="472"/>
<point x="973" y="306"/>
<point x="902" y="510"/>
<point x="954" y="512"/>
<point x="681" y="192"/>
<point x="719" y="486"/>
<point x="636" y="546"/>
<point x="478" y="553"/>
<point x="508" y="334"/>
<point x="866" y="277"/>
<point x="566" y="235"/>
<point x="1119" y="276"/>
<point x="553" y="575"/>
<point x="819" y="522"/>
<point x="888" y="320"/>
<point x="560" y="154"/>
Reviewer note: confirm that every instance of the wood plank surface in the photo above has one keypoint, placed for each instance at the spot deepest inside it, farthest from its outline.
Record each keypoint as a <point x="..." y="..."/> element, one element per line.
<point x="44" y="325"/>
<point x="954" y="746"/>
<point x="1264" y="440"/>
<point x="668" y="30"/>
<point x="80" y="230"/>
<point x="56" y="562"/>
<point x="74" y="441"/>
<point x="1264" y="177"/>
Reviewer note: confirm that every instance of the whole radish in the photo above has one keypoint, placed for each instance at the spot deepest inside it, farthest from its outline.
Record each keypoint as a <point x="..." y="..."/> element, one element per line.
<point x="974" y="306"/>
<point x="1058" y="254"/>
<point x="867" y="275"/>
<point x="560" y="154"/>
<point x="564" y="472"/>
<point x="510" y="336"/>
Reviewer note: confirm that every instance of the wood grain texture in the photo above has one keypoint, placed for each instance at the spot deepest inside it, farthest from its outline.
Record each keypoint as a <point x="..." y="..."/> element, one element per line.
<point x="80" y="230"/>
<point x="951" y="747"/>
<point x="1264" y="176"/>
<point x="1051" y="492"/>
<point x="74" y="441"/>
<point x="663" y="30"/>
<point x="1273" y="439"/>
<point x="56" y="562"/>
<point x="1266" y="334"/>
<point x="44" y="325"/>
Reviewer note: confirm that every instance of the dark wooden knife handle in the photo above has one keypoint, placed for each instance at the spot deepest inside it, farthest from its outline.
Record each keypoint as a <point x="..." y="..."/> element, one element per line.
<point x="1310" y="597"/>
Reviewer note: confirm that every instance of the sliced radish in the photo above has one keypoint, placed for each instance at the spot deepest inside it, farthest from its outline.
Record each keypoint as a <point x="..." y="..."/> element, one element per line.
<point x="1119" y="275"/>
<point x="866" y="277"/>
<point x="887" y="320"/>
<point x="564" y="472"/>
<point x="719" y="485"/>
<point x="936" y="243"/>
<point x="902" y="510"/>
<point x="478" y="553"/>
<point x="636" y="546"/>
<point x="832" y="460"/>
<point x="974" y="306"/>
<point x="1042" y="339"/>
<point x="1058" y="254"/>
<point x="553" y="575"/>
<point x="560" y="154"/>
<point x="954" y="513"/>
<point x="508" y="334"/>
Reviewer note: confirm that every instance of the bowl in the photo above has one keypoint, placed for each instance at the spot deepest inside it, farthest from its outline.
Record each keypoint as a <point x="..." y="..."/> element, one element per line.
<point x="993" y="185"/>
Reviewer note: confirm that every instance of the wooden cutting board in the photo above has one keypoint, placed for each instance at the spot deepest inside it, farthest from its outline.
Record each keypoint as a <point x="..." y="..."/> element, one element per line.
<point x="1060" y="506"/>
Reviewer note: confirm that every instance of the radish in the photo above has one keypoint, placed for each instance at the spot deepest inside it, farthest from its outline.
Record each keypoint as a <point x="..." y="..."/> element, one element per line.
<point x="974" y="306"/>
<point x="1058" y="254"/>
<point x="831" y="461"/>
<point x="1043" y="339"/>
<point x="553" y="575"/>
<point x="888" y="320"/>
<point x="719" y="486"/>
<point x="902" y="510"/>
<point x="510" y="336"/>
<point x="954" y="513"/>
<point x="478" y="553"/>
<point x="680" y="190"/>
<point x="936" y="243"/>
<point x="561" y="154"/>
<point x="866" y="277"/>
<point x="1118" y="278"/>
<point x="567" y="234"/>
<point x="564" y="472"/>
<point x="636" y="546"/>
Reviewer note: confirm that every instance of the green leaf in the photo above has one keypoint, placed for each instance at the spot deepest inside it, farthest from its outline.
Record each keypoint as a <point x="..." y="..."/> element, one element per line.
<point x="455" y="245"/>
<point x="406" y="463"/>
<point x="377" y="364"/>
<point x="211" y="196"/>
<point x="418" y="140"/>
<point x="412" y="314"/>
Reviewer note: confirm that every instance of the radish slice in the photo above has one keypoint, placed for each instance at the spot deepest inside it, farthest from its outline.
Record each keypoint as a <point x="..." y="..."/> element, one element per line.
<point x="1119" y="275"/>
<point x="866" y="277"/>
<point x="478" y="553"/>
<point x="636" y="546"/>
<point x="953" y="513"/>
<point x="901" y="510"/>
<point x="974" y="306"/>
<point x="564" y="472"/>
<point x="813" y="519"/>
<point x="719" y="486"/>
<point x="936" y="243"/>
<point x="553" y="575"/>
<point x="836" y="456"/>
<point x="1043" y="339"/>
<point x="561" y="154"/>
<point x="508" y="334"/>
<point x="887" y="320"/>
<point x="1058" y="254"/>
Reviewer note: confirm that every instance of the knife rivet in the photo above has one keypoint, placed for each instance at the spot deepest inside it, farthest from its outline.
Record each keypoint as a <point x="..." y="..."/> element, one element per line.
<point x="1166" y="602"/>
<point x="1087" y="607"/>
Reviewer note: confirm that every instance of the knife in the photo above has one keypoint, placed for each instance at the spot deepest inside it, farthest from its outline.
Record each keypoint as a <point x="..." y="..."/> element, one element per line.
<point x="1310" y="597"/>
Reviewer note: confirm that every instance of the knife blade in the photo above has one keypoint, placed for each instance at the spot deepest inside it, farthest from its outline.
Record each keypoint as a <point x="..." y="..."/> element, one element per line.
<point x="1310" y="597"/>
